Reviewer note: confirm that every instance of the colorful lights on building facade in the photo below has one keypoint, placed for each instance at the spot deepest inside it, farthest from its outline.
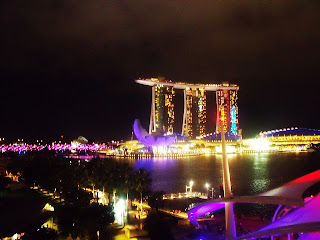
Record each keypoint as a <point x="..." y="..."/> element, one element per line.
<point x="195" y="107"/>
<point x="194" y="117"/>
<point x="202" y="111"/>
<point x="227" y="111"/>
<point x="234" y="120"/>
<point x="162" y="109"/>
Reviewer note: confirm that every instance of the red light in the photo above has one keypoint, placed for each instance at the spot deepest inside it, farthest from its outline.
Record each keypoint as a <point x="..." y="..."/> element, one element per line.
<point x="314" y="176"/>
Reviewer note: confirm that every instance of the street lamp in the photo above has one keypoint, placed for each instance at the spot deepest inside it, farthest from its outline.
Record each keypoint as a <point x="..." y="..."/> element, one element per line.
<point x="191" y="183"/>
<point x="119" y="210"/>
<point x="207" y="187"/>
<point x="189" y="187"/>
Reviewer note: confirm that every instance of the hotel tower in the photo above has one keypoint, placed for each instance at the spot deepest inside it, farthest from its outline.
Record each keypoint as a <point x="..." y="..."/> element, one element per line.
<point x="195" y="107"/>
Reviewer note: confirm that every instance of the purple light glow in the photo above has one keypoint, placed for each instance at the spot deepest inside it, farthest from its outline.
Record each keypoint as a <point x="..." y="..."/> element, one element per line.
<point x="202" y="209"/>
<point x="303" y="219"/>
<point x="149" y="140"/>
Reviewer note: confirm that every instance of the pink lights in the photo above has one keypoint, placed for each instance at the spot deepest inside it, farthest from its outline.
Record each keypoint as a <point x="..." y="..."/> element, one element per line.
<point x="20" y="148"/>
<point x="55" y="147"/>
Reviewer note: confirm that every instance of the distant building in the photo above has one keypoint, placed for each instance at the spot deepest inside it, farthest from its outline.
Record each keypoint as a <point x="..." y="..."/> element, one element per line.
<point x="80" y="140"/>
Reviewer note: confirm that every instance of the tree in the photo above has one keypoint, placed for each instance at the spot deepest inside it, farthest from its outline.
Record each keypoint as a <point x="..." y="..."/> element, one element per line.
<point x="96" y="172"/>
<point x="97" y="217"/>
<point x="69" y="221"/>
<point x="85" y="221"/>
<point x="156" y="200"/>
<point x="77" y="197"/>
<point x="142" y="183"/>
<point x="4" y="181"/>
<point x="41" y="234"/>
<point x="158" y="227"/>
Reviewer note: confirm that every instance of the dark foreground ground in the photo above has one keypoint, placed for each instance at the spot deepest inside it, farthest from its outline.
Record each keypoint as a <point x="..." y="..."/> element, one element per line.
<point x="20" y="211"/>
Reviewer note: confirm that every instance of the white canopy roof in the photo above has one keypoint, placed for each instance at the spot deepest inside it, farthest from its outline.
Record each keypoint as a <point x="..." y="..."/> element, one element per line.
<point x="306" y="219"/>
<point x="296" y="188"/>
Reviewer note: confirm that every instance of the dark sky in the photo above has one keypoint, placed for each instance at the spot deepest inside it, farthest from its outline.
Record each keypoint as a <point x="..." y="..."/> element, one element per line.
<point x="69" y="66"/>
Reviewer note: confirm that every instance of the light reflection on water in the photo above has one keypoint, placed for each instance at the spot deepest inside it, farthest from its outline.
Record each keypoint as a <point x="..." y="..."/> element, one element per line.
<point x="250" y="173"/>
<point x="260" y="182"/>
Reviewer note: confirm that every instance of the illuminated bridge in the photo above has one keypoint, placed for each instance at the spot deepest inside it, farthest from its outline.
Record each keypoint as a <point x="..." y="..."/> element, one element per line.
<point x="195" y="107"/>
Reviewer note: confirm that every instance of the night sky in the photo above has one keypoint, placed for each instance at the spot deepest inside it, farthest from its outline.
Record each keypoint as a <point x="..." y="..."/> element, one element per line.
<point x="68" y="67"/>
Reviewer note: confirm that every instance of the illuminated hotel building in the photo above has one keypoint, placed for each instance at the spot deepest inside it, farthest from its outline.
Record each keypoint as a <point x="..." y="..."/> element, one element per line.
<point x="162" y="109"/>
<point x="227" y="110"/>
<point x="194" y="117"/>
<point x="195" y="106"/>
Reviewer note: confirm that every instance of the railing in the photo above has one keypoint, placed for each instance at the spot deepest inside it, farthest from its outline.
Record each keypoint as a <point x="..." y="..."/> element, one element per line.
<point x="185" y="195"/>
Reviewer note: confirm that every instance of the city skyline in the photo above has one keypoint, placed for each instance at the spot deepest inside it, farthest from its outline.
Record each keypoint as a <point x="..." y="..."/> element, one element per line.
<point x="68" y="68"/>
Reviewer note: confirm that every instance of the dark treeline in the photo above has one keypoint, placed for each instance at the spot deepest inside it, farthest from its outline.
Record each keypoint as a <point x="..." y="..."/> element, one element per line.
<point x="65" y="175"/>
<point x="70" y="179"/>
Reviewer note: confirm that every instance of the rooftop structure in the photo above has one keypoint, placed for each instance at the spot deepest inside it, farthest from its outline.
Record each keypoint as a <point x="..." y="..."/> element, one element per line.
<point x="80" y="140"/>
<point x="293" y="135"/>
<point x="181" y="85"/>
<point x="293" y="131"/>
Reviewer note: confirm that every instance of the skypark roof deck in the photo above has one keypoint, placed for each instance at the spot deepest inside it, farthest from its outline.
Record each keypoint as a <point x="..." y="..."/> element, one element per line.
<point x="180" y="85"/>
